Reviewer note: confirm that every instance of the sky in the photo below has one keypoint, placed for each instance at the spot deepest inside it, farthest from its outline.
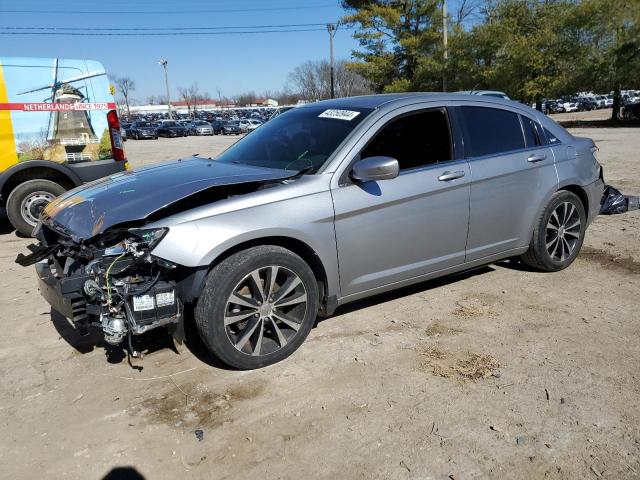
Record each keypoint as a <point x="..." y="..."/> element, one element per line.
<point x="232" y="63"/>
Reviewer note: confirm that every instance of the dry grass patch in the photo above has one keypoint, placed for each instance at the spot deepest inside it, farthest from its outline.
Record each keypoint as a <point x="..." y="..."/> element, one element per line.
<point x="461" y="365"/>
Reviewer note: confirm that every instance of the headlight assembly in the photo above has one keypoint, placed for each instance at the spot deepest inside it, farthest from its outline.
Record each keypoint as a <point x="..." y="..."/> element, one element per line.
<point x="150" y="237"/>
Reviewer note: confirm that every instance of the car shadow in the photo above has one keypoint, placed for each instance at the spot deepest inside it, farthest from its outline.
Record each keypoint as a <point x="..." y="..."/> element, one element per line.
<point x="123" y="473"/>
<point x="406" y="291"/>
<point x="516" y="264"/>
<point x="194" y="343"/>
<point x="93" y="339"/>
<point x="5" y="225"/>
<point x="160" y="339"/>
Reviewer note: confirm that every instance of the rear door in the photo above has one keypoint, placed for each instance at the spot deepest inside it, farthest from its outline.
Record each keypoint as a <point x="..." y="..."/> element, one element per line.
<point x="395" y="230"/>
<point x="512" y="177"/>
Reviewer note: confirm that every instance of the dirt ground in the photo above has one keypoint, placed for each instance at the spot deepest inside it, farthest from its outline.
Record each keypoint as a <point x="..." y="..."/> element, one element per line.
<point x="498" y="373"/>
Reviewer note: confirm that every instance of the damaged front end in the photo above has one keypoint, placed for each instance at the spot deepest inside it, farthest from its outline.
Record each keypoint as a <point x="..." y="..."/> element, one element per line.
<point x="113" y="283"/>
<point x="94" y="258"/>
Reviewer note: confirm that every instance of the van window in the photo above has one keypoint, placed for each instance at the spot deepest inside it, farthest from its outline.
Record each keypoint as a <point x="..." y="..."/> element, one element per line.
<point x="415" y="140"/>
<point x="530" y="132"/>
<point x="489" y="131"/>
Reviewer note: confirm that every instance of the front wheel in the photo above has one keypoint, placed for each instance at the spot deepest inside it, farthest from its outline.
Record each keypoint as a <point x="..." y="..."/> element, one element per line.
<point x="257" y="307"/>
<point x="27" y="200"/>
<point x="559" y="233"/>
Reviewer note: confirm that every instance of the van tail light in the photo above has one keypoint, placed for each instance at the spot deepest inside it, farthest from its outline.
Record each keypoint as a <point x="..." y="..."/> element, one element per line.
<point x="114" y="134"/>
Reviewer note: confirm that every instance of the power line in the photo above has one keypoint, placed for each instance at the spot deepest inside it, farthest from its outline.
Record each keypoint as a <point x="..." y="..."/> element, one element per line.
<point x="159" y="34"/>
<point x="92" y="29"/>
<point x="166" y="12"/>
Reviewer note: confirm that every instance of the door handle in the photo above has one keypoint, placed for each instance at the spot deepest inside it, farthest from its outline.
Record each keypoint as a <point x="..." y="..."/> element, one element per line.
<point x="447" y="176"/>
<point x="538" y="157"/>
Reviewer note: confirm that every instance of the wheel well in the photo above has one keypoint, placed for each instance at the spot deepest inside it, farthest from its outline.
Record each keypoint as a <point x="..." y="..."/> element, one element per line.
<point x="36" y="173"/>
<point x="582" y="195"/>
<point x="296" y="246"/>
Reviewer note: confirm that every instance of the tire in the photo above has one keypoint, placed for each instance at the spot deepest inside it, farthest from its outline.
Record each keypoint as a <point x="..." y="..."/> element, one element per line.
<point x="556" y="240"/>
<point x="26" y="201"/>
<point x="236" y="344"/>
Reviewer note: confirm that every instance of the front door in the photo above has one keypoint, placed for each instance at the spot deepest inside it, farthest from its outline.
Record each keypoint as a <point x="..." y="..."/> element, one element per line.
<point x="395" y="230"/>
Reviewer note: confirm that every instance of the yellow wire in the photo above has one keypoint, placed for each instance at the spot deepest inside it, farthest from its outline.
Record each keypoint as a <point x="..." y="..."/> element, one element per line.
<point x="106" y="277"/>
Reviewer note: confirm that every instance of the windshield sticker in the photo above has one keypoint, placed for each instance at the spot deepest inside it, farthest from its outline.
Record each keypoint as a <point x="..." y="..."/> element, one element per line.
<point x="347" y="115"/>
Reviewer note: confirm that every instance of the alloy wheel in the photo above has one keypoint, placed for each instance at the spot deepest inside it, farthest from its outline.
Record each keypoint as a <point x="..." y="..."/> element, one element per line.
<point x="265" y="310"/>
<point x="563" y="231"/>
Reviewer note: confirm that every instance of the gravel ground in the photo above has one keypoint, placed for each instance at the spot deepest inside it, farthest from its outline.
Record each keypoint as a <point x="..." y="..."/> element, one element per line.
<point x="498" y="373"/>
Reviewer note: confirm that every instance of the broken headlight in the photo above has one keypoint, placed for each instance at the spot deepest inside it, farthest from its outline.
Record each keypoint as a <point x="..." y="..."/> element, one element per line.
<point x="149" y="237"/>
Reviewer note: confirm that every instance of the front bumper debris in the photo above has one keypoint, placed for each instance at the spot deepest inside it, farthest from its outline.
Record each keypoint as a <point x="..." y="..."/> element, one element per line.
<point x="121" y="289"/>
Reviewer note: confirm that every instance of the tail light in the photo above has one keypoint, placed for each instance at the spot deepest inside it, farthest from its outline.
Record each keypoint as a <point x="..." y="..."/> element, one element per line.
<point x="114" y="133"/>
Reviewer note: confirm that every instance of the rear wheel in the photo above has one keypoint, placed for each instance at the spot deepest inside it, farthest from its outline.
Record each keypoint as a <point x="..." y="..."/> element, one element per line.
<point x="559" y="233"/>
<point x="27" y="200"/>
<point x="257" y="307"/>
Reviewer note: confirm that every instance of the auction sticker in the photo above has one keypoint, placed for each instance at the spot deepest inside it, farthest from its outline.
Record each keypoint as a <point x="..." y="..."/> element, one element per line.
<point x="347" y="115"/>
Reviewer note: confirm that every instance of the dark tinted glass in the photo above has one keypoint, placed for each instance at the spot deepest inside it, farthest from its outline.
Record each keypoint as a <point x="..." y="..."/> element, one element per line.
<point x="530" y="132"/>
<point x="490" y="131"/>
<point x="298" y="139"/>
<point x="414" y="140"/>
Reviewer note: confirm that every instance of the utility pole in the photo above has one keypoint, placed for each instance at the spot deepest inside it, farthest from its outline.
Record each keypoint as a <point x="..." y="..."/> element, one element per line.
<point x="164" y="63"/>
<point x="331" y="28"/>
<point x="445" y="29"/>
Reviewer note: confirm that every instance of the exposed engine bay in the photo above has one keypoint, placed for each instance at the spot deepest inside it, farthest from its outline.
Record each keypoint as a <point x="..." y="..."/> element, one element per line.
<point x="121" y="288"/>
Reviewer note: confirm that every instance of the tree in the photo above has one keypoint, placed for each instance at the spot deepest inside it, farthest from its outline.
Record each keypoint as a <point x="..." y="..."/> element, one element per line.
<point x="125" y="86"/>
<point x="190" y="95"/>
<point x="613" y="61"/>
<point x="246" y="99"/>
<point x="312" y="80"/>
<point x="401" y="43"/>
<point x="527" y="48"/>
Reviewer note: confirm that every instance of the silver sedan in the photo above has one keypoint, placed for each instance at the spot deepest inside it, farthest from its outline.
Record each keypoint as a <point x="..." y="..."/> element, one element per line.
<point x="323" y="205"/>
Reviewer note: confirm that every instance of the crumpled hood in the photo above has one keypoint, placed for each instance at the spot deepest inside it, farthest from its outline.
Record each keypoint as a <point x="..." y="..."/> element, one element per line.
<point x="129" y="196"/>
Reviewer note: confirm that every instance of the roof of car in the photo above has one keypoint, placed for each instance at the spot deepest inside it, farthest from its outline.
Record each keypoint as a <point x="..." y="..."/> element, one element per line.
<point x="377" y="101"/>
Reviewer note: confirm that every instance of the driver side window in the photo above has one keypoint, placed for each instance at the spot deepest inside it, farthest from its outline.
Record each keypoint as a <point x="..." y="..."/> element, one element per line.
<point x="415" y="140"/>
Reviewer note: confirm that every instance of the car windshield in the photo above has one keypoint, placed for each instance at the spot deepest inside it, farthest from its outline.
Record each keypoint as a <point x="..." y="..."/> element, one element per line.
<point x="143" y="124"/>
<point x="169" y="124"/>
<point x="303" y="138"/>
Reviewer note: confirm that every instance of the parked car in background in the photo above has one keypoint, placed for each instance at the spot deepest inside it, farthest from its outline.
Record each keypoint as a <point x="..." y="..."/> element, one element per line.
<point x="631" y="111"/>
<point x="330" y="203"/>
<point x="570" y="107"/>
<point x="586" y="104"/>
<point x="142" y="130"/>
<point x="487" y="93"/>
<point x="170" y="128"/>
<point x="202" y="128"/>
<point x="188" y="126"/>
<point x="254" y="124"/>
<point x="231" y="128"/>
<point x="217" y="126"/>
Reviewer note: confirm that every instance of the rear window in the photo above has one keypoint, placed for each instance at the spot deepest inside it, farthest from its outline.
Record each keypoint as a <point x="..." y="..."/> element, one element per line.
<point x="531" y="134"/>
<point x="489" y="131"/>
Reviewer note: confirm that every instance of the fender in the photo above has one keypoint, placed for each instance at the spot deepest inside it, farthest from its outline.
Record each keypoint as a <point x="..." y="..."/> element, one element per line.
<point x="29" y="164"/>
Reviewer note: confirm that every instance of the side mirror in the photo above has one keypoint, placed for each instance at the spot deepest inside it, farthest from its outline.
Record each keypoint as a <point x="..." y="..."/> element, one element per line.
<point x="373" y="169"/>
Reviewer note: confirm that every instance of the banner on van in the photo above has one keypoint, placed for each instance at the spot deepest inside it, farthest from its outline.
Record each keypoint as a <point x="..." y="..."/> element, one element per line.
<point x="56" y="107"/>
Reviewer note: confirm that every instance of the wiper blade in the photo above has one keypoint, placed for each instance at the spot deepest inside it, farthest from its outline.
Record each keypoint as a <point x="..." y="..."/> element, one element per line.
<point x="302" y="172"/>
